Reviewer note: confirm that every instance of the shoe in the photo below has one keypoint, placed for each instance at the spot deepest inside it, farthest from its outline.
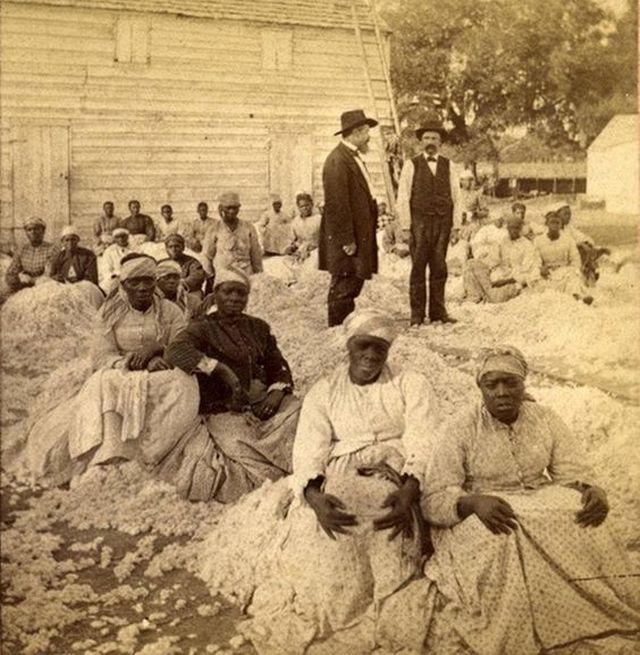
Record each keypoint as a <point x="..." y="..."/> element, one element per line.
<point x="416" y="322"/>
<point x="587" y="300"/>
<point x="445" y="319"/>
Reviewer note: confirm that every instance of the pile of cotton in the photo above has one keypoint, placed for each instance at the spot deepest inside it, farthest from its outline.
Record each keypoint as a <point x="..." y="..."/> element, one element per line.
<point x="45" y="326"/>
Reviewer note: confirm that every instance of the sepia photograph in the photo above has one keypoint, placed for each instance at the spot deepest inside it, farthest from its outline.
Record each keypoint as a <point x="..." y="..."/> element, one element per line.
<point x="319" y="327"/>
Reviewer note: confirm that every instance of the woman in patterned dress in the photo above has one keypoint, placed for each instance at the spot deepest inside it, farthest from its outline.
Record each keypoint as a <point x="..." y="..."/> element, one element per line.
<point x="522" y="563"/>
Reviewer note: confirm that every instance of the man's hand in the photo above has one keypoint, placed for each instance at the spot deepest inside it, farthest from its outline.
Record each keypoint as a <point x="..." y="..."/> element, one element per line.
<point x="494" y="512"/>
<point x="270" y="405"/>
<point x="595" y="507"/>
<point x="139" y="359"/>
<point x="400" y="518"/>
<point x="328" y="510"/>
<point x="25" y="278"/>
<point x="350" y="249"/>
<point x="157" y="363"/>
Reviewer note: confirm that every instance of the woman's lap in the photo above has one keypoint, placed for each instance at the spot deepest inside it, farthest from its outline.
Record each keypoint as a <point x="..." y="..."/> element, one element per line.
<point x="548" y="583"/>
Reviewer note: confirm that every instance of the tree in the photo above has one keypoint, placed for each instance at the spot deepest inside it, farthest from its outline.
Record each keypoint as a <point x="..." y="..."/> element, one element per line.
<point x="485" y="65"/>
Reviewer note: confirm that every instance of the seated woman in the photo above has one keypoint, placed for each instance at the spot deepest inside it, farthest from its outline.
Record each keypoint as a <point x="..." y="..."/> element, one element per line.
<point x="516" y="569"/>
<point x="561" y="260"/>
<point x="354" y="533"/>
<point x="78" y="266"/>
<point x="109" y="417"/>
<point x="306" y="227"/>
<point x="171" y="286"/>
<point x="245" y="389"/>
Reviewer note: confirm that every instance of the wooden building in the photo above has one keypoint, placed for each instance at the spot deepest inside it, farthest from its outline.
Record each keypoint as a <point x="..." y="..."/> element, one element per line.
<point x="173" y="101"/>
<point x="613" y="162"/>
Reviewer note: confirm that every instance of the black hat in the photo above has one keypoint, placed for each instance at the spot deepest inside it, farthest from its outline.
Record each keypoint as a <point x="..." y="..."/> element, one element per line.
<point x="354" y="118"/>
<point x="431" y="127"/>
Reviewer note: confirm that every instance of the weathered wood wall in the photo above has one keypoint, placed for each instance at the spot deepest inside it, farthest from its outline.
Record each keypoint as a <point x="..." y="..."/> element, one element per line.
<point x="171" y="109"/>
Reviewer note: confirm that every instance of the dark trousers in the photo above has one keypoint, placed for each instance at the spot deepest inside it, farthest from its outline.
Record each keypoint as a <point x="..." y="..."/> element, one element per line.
<point x="428" y="247"/>
<point x="343" y="291"/>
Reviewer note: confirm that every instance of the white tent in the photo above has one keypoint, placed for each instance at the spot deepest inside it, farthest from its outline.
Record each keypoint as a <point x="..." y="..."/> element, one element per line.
<point x="613" y="165"/>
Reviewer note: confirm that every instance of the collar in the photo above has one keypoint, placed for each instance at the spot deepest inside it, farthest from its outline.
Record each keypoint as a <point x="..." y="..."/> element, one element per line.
<point x="354" y="149"/>
<point x="499" y="425"/>
<point x="426" y="156"/>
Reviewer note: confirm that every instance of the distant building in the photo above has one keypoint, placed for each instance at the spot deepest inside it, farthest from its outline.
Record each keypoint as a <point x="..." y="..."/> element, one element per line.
<point x="176" y="100"/>
<point x="613" y="168"/>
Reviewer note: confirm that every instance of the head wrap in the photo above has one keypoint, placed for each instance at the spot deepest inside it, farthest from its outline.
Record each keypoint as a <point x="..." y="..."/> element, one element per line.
<point x="501" y="359"/>
<point x="143" y="266"/>
<point x="372" y="324"/>
<point x="34" y="220"/>
<point x="232" y="274"/>
<point x="69" y="231"/>
<point x="560" y="205"/>
<point x="168" y="267"/>
<point x="174" y="237"/>
<point x="120" y="230"/>
<point x="467" y="175"/>
<point x="274" y="197"/>
<point x="229" y="198"/>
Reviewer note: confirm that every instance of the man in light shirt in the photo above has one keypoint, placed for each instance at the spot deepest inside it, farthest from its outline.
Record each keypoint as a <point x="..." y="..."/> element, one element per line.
<point x="428" y="207"/>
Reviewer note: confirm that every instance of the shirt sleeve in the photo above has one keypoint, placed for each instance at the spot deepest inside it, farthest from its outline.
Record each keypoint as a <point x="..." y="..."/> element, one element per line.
<point x="209" y="248"/>
<point x="91" y="273"/>
<point x="150" y="228"/>
<point x="255" y="252"/>
<point x="186" y="350"/>
<point x="104" y="349"/>
<point x="314" y="435"/>
<point x="174" y="320"/>
<point x="403" y="203"/>
<point x="421" y="423"/>
<point x="56" y="264"/>
<point x="574" y="255"/>
<point x="195" y="276"/>
<point x="568" y="456"/>
<point x="276" y="367"/>
<point x="15" y="268"/>
<point x="445" y="476"/>
<point x="454" y="178"/>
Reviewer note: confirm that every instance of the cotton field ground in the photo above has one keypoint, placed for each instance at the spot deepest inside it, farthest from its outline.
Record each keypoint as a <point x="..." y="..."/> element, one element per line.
<point x="111" y="564"/>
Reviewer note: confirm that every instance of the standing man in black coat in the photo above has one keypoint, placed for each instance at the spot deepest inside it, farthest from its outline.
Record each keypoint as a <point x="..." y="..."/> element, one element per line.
<point x="347" y="247"/>
<point x="428" y="207"/>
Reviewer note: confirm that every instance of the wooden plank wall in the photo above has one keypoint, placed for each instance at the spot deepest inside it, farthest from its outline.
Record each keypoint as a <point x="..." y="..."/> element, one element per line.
<point x="200" y="116"/>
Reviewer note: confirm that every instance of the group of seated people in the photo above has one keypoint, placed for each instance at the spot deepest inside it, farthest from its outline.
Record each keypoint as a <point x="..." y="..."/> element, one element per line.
<point x="186" y="278"/>
<point x="499" y="258"/>
<point x="494" y="501"/>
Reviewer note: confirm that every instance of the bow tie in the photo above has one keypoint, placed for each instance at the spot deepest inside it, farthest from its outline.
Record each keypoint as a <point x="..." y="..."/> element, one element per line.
<point x="433" y="159"/>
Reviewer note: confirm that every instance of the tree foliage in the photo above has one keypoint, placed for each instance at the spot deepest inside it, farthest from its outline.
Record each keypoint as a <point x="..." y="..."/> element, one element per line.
<point x="561" y="68"/>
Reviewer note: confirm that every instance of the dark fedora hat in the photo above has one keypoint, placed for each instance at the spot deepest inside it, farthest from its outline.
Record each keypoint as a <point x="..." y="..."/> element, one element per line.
<point x="354" y="118"/>
<point x="431" y="126"/>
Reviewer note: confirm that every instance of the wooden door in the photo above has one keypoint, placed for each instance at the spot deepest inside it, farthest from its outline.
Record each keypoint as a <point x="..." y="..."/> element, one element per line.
<point x="41" y="176"/>
<point x="290" y="165"/>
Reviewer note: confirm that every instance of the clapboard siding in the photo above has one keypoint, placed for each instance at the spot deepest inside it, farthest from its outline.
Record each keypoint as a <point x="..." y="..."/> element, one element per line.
<point x="200" y="116"/>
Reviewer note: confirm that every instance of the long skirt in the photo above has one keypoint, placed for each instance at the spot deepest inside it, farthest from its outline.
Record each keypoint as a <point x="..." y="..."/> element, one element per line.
<point x="307" y="590"/>
<point x="153" y="418"/>
<point x="549" y="584"/>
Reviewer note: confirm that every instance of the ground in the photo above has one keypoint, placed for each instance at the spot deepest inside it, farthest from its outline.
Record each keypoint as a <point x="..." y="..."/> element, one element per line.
<point x="111" y="565"/>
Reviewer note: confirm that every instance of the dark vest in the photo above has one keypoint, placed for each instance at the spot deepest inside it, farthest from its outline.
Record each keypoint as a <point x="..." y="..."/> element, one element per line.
<point x="431" y="194"/>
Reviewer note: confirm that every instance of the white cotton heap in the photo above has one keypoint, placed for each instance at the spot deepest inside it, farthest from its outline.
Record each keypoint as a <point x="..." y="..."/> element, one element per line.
<point x="45" y="326"/>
